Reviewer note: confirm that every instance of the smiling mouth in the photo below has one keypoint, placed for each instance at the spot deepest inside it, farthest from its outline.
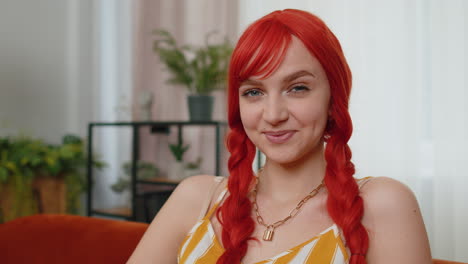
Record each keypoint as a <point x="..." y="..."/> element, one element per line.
<point x="279" y="136"/>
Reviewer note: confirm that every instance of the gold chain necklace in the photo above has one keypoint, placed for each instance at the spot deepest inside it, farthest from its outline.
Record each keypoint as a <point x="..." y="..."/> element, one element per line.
<point x="270" y="231"/>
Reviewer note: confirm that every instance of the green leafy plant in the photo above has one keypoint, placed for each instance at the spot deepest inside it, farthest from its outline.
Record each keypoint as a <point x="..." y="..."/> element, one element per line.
<point x="194" y="165"/>
<point x="145" y="170"/>
<point x="178" y="150"/>
<point x="22" y="159"/>
<point x="201" y="69"/>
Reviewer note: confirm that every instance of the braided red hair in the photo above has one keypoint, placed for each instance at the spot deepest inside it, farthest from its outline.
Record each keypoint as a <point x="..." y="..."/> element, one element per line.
<point x="259" y="51"/>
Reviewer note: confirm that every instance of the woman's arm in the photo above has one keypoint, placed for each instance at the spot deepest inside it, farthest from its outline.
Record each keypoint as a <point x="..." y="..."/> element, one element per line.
<point x="396" y="229"/>
<point x="161" y="241"/>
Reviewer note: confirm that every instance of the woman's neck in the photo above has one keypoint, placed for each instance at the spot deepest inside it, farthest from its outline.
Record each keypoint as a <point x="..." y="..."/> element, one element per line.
<point x="288" y="182"/>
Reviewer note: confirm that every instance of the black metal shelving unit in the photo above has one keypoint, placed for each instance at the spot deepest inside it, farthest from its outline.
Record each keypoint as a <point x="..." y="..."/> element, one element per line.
<point x="156" y="127"/>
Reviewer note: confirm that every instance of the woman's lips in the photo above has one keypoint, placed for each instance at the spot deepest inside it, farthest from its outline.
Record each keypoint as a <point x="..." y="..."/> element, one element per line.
<point x="279" y="137"/>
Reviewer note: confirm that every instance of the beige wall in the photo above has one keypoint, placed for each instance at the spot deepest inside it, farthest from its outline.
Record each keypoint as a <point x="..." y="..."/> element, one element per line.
<point x="45" y="76"/>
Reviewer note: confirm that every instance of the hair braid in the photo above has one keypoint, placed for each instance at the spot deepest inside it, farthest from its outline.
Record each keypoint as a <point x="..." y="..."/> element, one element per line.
<point x="235" y="213"/>
<point x="344" y="203"/>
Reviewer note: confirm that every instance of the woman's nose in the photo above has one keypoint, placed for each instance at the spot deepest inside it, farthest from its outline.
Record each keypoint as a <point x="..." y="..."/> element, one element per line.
<point x="275" y="110"/>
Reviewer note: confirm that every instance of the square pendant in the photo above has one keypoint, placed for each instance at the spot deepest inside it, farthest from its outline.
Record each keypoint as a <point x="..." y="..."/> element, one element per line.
<point x="268" y="235"/>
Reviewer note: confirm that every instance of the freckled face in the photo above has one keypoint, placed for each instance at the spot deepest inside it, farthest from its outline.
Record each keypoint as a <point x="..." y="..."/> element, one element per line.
<point x="285" y="114"/>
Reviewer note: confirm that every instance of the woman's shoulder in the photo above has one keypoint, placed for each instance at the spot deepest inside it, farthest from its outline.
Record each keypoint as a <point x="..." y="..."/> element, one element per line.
<point x="387" y="198"/>
<point x="384" y="189"/>
<point x="195" y="189"/>
<point x="186" y="202"/>
<point x="394" y="221"/>
<point x="174" y="220"/>
<point x="199" y="185"/>
<point x="196" y="185"/>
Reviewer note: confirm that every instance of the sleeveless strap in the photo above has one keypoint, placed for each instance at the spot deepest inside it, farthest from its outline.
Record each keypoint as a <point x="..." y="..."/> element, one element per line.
<point x="206" y="204"/>
<point x="220" y="198"/>
<point x="361" y="182"/>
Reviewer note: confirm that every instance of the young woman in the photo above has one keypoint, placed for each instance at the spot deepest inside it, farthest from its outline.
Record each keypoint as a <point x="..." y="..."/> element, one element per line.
<point x="289" y="87"/>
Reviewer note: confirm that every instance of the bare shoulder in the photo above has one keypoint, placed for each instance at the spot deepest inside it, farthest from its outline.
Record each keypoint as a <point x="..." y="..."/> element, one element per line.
<point x="394" y="221"/>
<point x="172" y="223"/>
<point x="188" y="198"/>
<point x="194" y="189"/>
<point x="387" y="200"/>
<point x="383" y="195"/>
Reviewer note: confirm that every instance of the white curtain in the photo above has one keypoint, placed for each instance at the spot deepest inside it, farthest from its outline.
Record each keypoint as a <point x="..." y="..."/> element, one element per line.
<point x="112" y="82"/>
<point x="410" y="101"/>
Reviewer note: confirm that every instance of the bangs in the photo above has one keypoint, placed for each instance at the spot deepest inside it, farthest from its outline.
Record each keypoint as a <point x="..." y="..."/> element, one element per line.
<point x="261" y="51"/>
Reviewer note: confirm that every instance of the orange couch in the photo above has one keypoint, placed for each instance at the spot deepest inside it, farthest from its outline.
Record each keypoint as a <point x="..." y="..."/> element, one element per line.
<point x="439" y="261"/>
<point x="69" y="239"/>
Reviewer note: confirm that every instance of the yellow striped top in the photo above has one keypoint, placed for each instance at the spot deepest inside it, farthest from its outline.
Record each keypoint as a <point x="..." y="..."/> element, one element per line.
<point x="201" y="246"/>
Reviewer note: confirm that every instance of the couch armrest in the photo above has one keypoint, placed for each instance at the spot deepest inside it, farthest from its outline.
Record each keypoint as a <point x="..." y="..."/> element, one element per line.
<point x="440" y="261"/>
<point x="68" y="239"/>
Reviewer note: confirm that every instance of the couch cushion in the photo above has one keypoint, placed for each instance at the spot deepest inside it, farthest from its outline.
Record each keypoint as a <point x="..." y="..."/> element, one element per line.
<point x="68" y="239"/>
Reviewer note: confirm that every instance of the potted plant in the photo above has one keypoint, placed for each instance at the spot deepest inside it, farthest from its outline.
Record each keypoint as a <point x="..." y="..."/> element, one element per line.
<point x="177" y="171"/>
<point x="201" y="69"/>
<point x="40" y="177"/>
<point x="193" y="168"/>
<point x="145" y="170"/>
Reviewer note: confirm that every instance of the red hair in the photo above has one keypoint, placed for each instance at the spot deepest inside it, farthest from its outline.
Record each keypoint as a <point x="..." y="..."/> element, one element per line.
<point x="259" y="51"/>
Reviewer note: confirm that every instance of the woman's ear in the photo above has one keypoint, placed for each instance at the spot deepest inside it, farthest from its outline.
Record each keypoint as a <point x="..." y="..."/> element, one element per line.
<point x="329" y="127"/>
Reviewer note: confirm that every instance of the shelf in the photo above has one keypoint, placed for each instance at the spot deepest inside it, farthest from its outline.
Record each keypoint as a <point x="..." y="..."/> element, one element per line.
<point x="124" y="212"/>
<point x="165" y="123"/>
<point x="144" y="188"/>
<point x="148" y="195"/>
<point x="160" y="181"/>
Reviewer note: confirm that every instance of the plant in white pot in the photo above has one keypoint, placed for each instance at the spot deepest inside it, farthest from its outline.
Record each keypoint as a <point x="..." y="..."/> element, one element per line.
<point x="145" y="170"/>
<point x="201" y="69"/>
<point x="193" y="168"/>
<point x="177" y="170"/>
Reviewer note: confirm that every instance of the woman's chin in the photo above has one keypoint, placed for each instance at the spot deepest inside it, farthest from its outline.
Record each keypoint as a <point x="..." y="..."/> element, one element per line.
<point x="283" y="159"/>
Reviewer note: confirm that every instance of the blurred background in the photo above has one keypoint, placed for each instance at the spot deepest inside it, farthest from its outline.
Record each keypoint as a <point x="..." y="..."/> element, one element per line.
<point x="66" y="63"/>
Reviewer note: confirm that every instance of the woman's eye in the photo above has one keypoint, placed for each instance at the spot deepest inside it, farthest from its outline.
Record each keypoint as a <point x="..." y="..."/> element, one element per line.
<point x="299" y="88"/>
<point x="252" y="93"/>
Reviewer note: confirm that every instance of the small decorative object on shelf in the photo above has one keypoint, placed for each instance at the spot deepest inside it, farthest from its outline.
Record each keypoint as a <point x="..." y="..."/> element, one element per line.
<point x="193" y="168"/>
<point x="202" y="74"/>
<point x="177" y="170"/>
<point x="145" y="170"/>
<point x="145" y="103"/>
<point x="123" y="109"/>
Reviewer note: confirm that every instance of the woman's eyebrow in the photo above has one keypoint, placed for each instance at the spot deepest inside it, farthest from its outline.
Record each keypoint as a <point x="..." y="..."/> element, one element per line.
<point x="250" y="82"/>
<point x="296" y="75"/>
<point x="286" y="79"/>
